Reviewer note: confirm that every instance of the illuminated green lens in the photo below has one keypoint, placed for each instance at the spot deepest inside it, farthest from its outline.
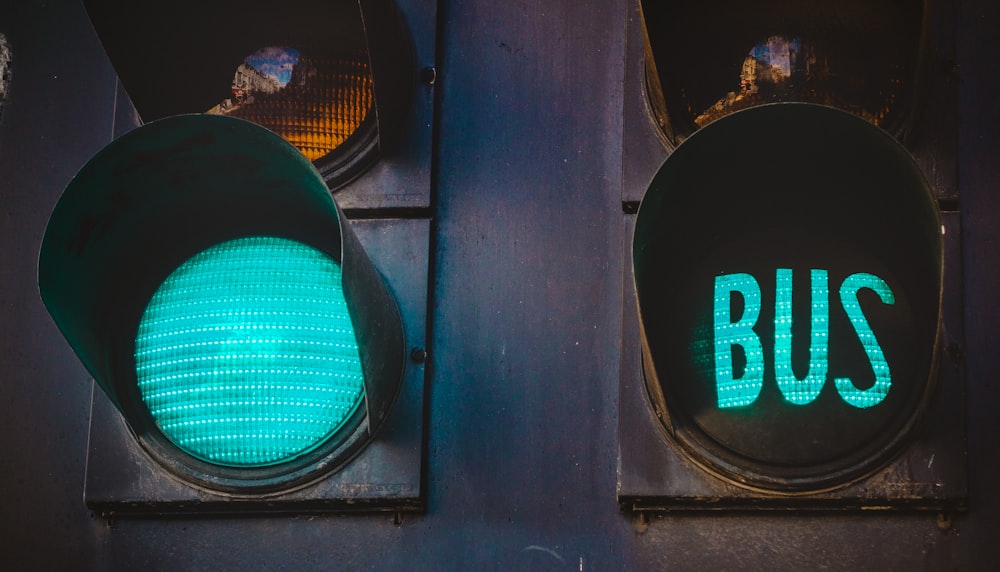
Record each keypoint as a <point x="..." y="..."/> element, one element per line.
<point x="246" y="354"/>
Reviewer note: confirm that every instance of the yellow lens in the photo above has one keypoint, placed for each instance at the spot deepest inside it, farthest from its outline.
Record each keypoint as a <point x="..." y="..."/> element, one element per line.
<point x="314" y="102"/>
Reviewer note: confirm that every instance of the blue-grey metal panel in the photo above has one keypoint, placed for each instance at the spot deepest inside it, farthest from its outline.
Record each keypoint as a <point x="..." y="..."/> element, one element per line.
<point x="525" y="324"/>
<point x="58" y="112"/>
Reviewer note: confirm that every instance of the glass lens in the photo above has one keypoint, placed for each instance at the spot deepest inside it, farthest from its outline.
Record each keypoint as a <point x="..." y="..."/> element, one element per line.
<point x="246" y="355"/>
<point x="316" y="101"/>
<point x="861" y="56"/>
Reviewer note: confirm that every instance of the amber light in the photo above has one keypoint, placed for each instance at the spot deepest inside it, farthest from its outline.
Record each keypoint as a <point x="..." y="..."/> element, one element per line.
<point x="315" y="103"/>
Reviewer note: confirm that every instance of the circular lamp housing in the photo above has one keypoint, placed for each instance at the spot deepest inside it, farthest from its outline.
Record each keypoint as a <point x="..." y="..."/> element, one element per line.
<point x="201" y="271"/>
<point x="788" y="268"/>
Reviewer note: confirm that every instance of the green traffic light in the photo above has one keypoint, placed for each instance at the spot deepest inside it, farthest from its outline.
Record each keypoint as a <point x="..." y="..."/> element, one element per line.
<point x="246" y="354"/>
<point x="201" y="271"/>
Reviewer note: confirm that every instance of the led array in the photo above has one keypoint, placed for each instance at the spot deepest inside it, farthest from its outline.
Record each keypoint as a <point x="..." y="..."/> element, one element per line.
<point x="805" y="390"/>
<point x="730" y="331"/>
<point x="246" y="354"/>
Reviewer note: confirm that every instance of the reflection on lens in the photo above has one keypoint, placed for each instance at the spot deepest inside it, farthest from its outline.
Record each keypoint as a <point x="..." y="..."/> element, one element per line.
<point x="862" y="56"/>
<point x="315" y="103"/>
<point x="783" y="69"/>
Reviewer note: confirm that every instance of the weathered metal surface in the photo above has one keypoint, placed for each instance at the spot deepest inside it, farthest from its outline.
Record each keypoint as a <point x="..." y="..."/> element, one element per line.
<point x="525" y="323"/>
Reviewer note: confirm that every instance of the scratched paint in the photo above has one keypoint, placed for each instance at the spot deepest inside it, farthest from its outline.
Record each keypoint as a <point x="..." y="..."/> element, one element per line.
<point x="5" y="73"/>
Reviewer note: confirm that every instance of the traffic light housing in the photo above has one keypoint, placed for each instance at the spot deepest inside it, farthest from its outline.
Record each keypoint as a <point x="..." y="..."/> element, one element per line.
<point x="375" y="55"/>
<point x="748" y="207"/>
<point x="188" y="186"/>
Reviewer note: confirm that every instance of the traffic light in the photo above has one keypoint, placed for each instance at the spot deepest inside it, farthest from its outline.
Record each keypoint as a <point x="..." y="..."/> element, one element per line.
<point x="264" y="351"/>
<point x="791" y="328"/>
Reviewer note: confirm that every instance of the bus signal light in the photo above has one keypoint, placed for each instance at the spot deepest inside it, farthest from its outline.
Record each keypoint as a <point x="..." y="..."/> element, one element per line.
<point x="788" y="265"/>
